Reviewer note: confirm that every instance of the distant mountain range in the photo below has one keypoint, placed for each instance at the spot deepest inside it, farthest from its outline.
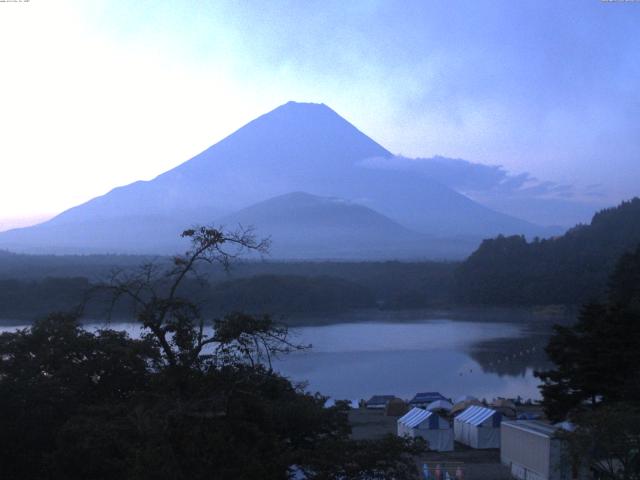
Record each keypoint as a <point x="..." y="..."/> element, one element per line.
<point x="304" y="226"/>
<point x="340" y="210"/>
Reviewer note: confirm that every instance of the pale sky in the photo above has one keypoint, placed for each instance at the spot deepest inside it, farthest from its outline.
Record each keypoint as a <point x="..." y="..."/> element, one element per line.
<point x="96" y="94"/>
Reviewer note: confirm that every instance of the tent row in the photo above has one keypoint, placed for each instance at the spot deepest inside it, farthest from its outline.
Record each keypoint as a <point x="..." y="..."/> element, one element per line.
<point x="531" y="449"/>
<point x="477" y="427"/>
<point x="437" y="402"/>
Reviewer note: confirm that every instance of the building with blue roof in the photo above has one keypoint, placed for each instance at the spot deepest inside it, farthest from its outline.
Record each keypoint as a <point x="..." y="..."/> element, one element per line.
<point x="425" y="398"/>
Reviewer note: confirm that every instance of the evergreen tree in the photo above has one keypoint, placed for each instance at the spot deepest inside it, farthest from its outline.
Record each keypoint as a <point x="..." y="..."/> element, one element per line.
<point x="597" y="361"/>
<point x="596" y="379"/>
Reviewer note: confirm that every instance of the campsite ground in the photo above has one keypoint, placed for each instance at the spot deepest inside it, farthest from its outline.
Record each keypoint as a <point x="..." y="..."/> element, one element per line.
<point x="476" y="464"/>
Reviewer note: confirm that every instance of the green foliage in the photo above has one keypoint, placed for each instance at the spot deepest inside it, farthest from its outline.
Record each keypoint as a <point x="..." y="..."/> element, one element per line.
<point x="253" y="287"/>
<point x="77" y="404"/>
<point x="572" y="269"/>
<point x="290" y="294"/>
<point x="37" y="298"/>
<point x="624" y="284"/>
<point x="53" y="371"/>
<point x="596" y="379"/>
<point x="597" y="360"/>
<point x="180" y="403"/>
<point x="607" y="440"/>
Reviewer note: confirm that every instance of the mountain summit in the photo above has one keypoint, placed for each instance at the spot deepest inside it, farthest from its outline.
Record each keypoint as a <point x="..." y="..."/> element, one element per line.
<point x="295" y="144"/>
<point x="298" y="147"/>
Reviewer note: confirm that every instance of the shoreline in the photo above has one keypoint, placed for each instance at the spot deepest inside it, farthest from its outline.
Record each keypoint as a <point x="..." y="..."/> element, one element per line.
<point x="478" y="314"/>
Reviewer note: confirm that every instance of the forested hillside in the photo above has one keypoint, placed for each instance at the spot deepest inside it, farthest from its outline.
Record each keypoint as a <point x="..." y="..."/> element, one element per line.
<point x="567" y="270"/>
<point x="570" y="269"/>
<point x="31" y="286"/>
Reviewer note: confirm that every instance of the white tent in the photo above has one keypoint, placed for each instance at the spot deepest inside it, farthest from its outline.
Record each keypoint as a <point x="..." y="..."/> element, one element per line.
<point x="478" y="427"/>
<point x="428" y="425"/>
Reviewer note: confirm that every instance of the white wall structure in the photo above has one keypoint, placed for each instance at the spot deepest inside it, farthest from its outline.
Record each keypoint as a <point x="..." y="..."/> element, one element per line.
<point x="428" y="425"/>
<point x="478" y="427"/>
<point x="532" y="452"/>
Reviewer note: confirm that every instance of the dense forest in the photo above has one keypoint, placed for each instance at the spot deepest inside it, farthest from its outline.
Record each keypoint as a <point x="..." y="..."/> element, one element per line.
<point x="281" y="289"/>
<point x="570" y="269"/>
<point x="505" y="271"/>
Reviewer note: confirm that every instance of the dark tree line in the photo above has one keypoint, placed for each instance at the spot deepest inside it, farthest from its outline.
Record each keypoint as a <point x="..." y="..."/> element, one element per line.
<point x="281" y="288"/>
<point x="182" y="402"/>
<point x="571" y="269"/>
<point x="596" y="379"/>
<point x="505" y="271"/>
<point x="279" y="294"/>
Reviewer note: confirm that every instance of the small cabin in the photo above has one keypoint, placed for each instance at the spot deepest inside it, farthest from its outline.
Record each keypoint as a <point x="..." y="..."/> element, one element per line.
<point x="532" y="450"/>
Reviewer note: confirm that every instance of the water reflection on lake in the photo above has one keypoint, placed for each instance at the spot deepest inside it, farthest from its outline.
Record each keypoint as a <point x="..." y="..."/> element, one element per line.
<point x="358" y="360"/>
<point x="406" y="354"/>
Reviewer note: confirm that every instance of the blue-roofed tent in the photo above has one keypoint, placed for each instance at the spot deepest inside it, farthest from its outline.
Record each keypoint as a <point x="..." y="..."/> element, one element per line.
<point x="425" y="398"/>
<point x="428" y="425"/>
<point x="478" y="427"/>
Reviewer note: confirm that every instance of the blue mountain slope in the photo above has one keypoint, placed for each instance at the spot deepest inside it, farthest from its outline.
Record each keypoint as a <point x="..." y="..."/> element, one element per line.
<point x="296" y="147"/>
<point x="301" y="225"/>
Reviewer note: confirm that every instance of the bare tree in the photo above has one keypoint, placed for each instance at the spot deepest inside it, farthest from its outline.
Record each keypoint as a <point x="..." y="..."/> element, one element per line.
<point x="176" y="323"/>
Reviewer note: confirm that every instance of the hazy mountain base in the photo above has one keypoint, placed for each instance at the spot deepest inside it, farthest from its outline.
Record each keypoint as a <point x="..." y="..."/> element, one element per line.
<point x="508" y="271"/>
<point x="303" y="226"/>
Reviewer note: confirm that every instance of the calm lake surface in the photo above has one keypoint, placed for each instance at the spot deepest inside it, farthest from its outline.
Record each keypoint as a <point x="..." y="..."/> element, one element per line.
<point x="403" y="353"/>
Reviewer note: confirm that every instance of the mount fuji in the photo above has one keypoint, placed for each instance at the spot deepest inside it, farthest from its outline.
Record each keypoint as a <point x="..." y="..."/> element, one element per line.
<point x="251" y="176"/>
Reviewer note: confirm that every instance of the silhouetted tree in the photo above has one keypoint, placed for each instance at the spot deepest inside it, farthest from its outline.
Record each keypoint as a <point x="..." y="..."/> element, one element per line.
<point x="51" y="372"/>
<point x="184" y="402"/>
<point x="607" y="440"/>
<point x="171" y="320"/>
<point x="597" y="361"/>
<point x="596" y="379"/>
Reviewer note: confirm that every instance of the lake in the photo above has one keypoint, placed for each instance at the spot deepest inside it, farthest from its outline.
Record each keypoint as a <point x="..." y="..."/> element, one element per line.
<point x="454" y="357"/>
<point x="401" y="353"/>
